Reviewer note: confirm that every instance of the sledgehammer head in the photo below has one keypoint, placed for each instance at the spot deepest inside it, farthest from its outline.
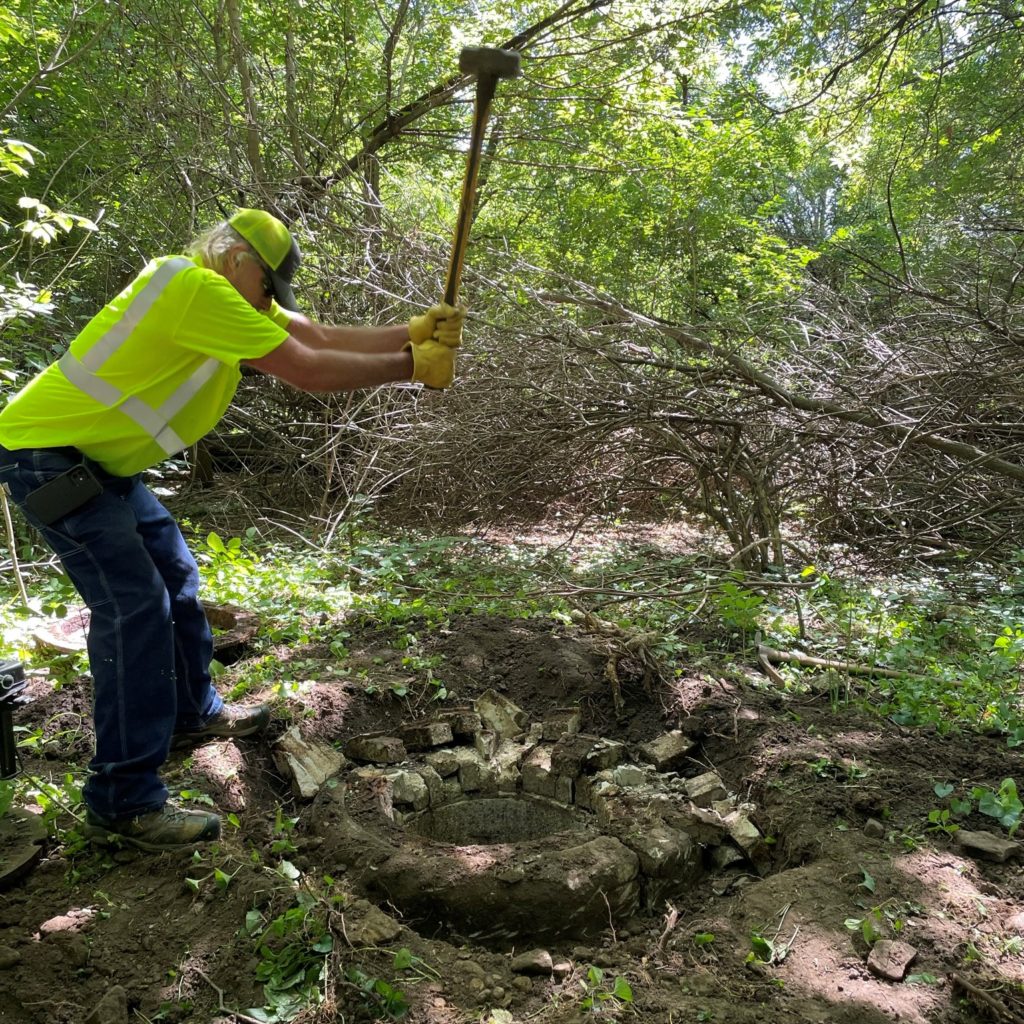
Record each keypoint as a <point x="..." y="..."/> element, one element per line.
<point x="489" y="62"/>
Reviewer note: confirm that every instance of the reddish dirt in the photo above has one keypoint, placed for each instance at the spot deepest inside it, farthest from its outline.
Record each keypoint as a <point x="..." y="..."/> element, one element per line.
<point x="86" y="922"/>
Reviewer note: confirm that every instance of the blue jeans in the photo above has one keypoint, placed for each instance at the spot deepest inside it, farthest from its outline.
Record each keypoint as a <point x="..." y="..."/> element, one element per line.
<point x="149" y="642"/>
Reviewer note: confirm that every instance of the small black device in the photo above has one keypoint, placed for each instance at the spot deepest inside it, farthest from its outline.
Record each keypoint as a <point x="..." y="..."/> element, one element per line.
<point x="12" y="693"/>
<point x="63" y="494"/>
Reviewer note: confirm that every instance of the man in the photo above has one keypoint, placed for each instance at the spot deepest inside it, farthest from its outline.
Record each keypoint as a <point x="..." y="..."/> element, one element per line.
<point x="149" y="375"/>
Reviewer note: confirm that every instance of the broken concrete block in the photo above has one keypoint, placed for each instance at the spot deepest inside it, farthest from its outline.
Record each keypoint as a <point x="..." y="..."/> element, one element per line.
<point x="627" y="775"/>
<point x="464" y="722"/>
<point x="723" y="857"/>
<point x="500" y="715"/>
<point x="987" y="846"/>
<point x="376" y="748"/>
<point x="505" y="765"/>
<point x="705" y="789"/>
<point x="606" y="754"/>
<point x="663" y="851"/>
<point x="426" y="735"/>
<point x="746" y="835"/>
<point x="444" y="762"/>
<point x="569" y="754"/>
<point x="474" y="775"/>
<point x="564" y="787"/>
<point x="668" y="752"/>
<point x="434" y="784"/>
<point x="560" y="722"/>
<point x="536" y="773"/>
<point x="410" y="788"/>
<point x="486" y="743"/>
<point x="306" y="764"/>
<point x="890" y="960"/>
<point x="604" y="801"/>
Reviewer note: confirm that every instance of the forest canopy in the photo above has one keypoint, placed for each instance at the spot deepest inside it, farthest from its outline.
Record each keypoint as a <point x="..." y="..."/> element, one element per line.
<point x="752" y="262"/>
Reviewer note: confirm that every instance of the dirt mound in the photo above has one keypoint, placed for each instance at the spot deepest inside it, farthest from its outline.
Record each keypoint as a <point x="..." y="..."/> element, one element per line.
<point x="842" y="800"/>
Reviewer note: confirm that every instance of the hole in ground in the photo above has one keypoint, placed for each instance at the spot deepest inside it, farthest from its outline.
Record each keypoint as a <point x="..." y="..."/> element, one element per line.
<point x="485" y="821"/>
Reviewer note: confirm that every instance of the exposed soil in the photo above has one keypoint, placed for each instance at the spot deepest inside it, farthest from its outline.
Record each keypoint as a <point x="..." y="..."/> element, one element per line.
<point x="125" y="937"/>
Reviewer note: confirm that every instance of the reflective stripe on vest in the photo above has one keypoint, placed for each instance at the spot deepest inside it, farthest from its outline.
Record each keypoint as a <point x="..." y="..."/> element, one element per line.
<point x="84" y="373"/>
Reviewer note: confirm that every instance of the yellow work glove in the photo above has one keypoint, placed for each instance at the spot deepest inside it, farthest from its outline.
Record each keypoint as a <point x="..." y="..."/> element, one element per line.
<point x="422" y="327"/>
<point x="449" y="329"/>
<point x="433" y="363"/>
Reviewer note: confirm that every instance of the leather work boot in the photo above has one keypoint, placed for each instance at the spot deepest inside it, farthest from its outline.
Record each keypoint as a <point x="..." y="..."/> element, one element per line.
<point x="170" y="828"/>
<point x="233" y="721"/>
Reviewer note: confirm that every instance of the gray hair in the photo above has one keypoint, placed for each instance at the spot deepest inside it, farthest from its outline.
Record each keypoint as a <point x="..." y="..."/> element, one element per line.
<point x="213" y="246"/>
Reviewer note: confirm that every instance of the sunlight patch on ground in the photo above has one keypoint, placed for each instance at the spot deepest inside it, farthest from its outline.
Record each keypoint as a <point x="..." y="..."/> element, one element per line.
<point x="478" y="859"/>
<point x="823" y="964"/>
<point x="961" y="912"/>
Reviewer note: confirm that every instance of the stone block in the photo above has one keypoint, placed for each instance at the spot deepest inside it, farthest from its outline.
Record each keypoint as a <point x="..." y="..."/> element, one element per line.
<point x="536" y="773"/>
<point x="604" y="799"/>
<point x="745" y="834"/>
<point x="464" y="722"/>
<point x="500" y="715"/>
<point x="582" y="792"/>
<point x="444" y="762"/>
<point x="570" y="753"/>
<point x="606" y="754"/>
<point x="474" y="775"/>
<point x="560" y="722"/>
<point x="629" y="775"/>
<point x="410" y="788"/>
<point x="506" y="765"/>
<point x="306" y="764"/>
<point x="726" y="856"/>
<point x="667" y="752"/>
<point x="705" y="789"/>
<point x="564" y="786"/>
<point x="376" y="748"/>
<point x="485" y="743"/>
<point x="434" y="784"/>
<point x="426" y="735"/>
<point x="663" y="852"/>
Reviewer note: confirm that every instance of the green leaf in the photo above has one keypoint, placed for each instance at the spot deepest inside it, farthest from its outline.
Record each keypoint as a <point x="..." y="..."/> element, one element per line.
<point x="943" y="789"/>
<point x="867" y="882"/>
<point x="289" y="870"/>
<point x="622" y="990"/>
<point x="403" y="959"/>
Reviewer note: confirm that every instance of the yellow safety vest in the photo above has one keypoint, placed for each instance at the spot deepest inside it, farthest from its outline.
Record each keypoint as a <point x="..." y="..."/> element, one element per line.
<point x="150" y="374"/>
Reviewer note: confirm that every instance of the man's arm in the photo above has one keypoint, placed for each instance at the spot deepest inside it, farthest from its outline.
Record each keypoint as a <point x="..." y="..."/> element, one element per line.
<point x="373" y="340"/>
<point x="310" y="368"/>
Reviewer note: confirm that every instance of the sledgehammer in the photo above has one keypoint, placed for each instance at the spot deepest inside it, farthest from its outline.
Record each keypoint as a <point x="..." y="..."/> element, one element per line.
<point x="488" y="64"/>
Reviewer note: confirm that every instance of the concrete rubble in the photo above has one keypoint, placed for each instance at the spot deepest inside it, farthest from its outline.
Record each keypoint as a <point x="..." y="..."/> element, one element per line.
<point x="306" y="764"/>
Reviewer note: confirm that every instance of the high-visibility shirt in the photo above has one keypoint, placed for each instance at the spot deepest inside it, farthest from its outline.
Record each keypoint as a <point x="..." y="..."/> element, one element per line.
<point x="150" y="374"/>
